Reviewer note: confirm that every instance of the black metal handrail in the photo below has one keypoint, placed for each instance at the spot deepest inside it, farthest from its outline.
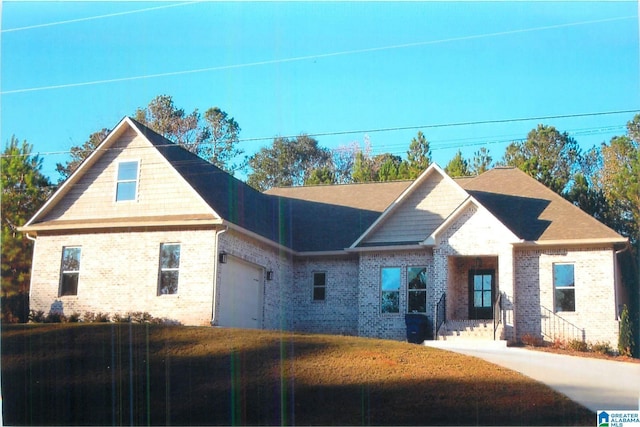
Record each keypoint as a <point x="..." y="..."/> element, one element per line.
<point x="497" y="314"/>
<point x="554" y="326"/>
<point x="441" y="313"/>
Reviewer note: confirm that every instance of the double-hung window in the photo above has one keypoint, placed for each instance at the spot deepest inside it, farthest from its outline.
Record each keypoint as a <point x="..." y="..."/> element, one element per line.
<point x="390" y="289"/>
<point x="70" y="270"/>
<point x="169" y="268"/>
<point x="319" y="286"/>
<point x="127" y="181"/>
<point x="564" y="286"/>
<point x="417" y="289"/>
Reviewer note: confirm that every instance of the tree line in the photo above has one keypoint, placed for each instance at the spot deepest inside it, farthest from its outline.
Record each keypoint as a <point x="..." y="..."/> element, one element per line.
<point x="604" y="181"/>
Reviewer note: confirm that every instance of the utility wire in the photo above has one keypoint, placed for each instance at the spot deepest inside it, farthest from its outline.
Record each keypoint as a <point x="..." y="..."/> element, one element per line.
<point x="316" y="56"/>
<point x="90" y="18"/>
<point x="434" y="144"/>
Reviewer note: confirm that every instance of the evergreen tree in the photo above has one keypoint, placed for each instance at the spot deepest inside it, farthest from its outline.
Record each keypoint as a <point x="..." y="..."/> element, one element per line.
<point x="24" y="190"/>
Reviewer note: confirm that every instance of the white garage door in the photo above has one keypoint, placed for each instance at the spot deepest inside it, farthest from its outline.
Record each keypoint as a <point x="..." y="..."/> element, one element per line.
<point x="240" y="304"/>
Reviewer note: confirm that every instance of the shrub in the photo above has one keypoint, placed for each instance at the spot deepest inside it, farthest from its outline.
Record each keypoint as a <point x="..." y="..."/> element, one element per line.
<point x="141" y="317"/>
<point x="577" y="345"/>
<point x="15" y="308"/>
<point x="36" y="316"/>
<point x="532" y="340"/>
<point x="121" y="318"/>
<point x="102" y="317"/>
<point x="55" y="317"/>
<point x="89" y="316"/>
<point x="602" y="348"/>
<point x="626" y="343"/>
<point x="558" y="344"/>
<point x="74" y="317"/>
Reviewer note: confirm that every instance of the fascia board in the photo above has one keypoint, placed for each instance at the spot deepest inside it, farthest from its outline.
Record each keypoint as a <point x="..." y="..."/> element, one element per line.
<point x="432" y="240"/>
<point x="396" y="248"/>
<point x="256" y="236"/>
<point x="571" y="242"/>
<point x="75" y="176"/>
<point x="175" y="171"/>
<point x="396" y="203"/>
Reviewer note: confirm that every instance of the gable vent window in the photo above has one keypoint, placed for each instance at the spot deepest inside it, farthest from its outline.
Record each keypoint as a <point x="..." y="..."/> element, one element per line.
<point x="70" y="270"/>
<point x="169" y="268"/>
<point x="127" y="183"/>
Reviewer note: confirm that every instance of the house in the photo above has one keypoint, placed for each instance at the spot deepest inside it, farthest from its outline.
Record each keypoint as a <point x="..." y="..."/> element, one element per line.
<point x="144" y="225"/>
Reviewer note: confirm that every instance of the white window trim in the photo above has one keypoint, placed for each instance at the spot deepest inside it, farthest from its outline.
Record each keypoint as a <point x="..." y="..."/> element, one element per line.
<point x="115" y="192"/>
<point x="417" y="290"/>
<point x="313" y="286"/>
<point x="399" y="291"/>
<point x="553" y="273"/>
<point x="161" y="269"/>
<point x="63" y="272"/>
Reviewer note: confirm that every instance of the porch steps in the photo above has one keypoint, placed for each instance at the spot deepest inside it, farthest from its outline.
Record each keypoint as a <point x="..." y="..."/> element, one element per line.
<point x="468" y="330"/>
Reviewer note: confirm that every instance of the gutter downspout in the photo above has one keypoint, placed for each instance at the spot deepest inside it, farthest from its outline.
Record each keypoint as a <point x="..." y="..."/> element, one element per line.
<point x="34" y="240"/>
<point x="616" y="278"/>
<point x="215" y="274"/>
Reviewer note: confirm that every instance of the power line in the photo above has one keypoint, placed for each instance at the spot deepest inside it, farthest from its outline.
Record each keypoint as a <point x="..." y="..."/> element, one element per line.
<point x="451" y="143"/>
<point x="90" y="18"/>
<point x="455" y="124"/>
<point x="316" y="56"/>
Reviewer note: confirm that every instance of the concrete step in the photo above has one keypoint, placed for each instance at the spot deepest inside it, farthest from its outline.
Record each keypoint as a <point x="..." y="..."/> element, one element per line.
<point x="468" y="330"/>
<point x="474" y="344"/>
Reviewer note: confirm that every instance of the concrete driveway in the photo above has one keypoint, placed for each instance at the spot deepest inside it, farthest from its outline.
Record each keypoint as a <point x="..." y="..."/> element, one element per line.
<point x="595" y="383"/>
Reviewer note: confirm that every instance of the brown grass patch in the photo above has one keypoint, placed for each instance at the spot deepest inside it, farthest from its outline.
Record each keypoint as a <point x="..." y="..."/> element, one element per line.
<point x="150" y="374"/>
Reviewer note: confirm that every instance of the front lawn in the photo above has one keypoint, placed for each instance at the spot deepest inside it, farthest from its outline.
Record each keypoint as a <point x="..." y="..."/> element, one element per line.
<point x="113" y="374"/>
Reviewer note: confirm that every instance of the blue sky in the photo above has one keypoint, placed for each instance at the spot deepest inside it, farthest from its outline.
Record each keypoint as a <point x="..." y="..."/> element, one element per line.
<point x="345" y="70"/>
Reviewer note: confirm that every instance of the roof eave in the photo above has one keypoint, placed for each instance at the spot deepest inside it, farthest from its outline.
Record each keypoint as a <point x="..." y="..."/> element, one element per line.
<point x="259" y="237"/>
<point x="111" y="225"/>
<point x="572" y="242"/>
<point x="382" y="248"/>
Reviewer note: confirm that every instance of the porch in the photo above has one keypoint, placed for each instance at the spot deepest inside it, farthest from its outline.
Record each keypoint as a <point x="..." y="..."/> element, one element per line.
<point x="471" y="306"/>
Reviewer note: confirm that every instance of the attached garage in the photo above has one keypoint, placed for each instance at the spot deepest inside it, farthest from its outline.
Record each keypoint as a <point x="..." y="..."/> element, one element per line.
<point x="240" y="295"/>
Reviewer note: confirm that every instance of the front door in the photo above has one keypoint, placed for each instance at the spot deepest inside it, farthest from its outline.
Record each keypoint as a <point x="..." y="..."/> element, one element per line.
<point x="481" y="290"/>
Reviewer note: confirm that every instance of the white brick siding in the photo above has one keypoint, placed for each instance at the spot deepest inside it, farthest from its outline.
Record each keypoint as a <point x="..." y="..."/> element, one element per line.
<point x="371" y="321"/>
<point x="475" y="233"/>
<point x="277" y="292"/>
<point x="338" y="313"/>
<point x="595" y="306"/>
<point x="119" y="274"/>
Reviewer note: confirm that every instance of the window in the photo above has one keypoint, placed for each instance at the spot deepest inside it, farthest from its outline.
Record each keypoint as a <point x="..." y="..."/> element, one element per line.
<point x="127" y="183"/>
<point x="390" y="287"/>
<point x="169" y="268"/>
<point x="564" y="284"/>
<point x="70" y="271"/>
<point x="417" y="289"/>
<point x="319" y="286"/>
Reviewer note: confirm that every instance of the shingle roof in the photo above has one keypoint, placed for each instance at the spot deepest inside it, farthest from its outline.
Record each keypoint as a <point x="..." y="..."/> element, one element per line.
<point x="532" y="211"/>
<point x="332" y="218"/>
<point x="228" y="196"/>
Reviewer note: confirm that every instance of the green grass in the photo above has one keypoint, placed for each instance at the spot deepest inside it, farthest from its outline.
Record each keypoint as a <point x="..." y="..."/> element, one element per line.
<point x="113" y="374"/>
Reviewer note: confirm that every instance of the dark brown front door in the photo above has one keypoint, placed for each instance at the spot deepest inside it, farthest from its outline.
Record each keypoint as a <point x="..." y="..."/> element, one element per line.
<point x="481" y="290"/>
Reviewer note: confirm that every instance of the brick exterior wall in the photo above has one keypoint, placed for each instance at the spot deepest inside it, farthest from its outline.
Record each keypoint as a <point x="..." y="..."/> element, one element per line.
<point x="371" y="321"/>
<point x="595" y="306"/>
<point x="475" y="233"/>
<point x="119" y="274"/>
<point x="278" y="313"/>
<point x="338" y="313"/>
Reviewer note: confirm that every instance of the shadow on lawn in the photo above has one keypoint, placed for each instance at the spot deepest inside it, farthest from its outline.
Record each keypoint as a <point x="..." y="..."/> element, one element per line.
<point x="142" y="374"/>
